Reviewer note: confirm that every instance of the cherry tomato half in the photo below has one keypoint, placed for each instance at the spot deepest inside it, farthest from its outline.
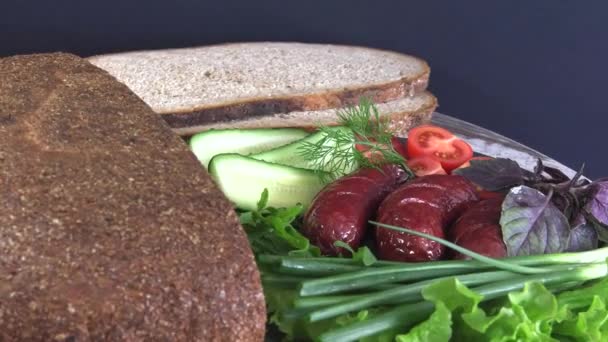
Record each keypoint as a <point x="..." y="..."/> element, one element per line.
<point x="425" y="165"/>
<point x="440" y="144"/>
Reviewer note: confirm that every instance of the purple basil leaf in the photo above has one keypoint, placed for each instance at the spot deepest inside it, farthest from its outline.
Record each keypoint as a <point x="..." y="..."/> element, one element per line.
<point x="531" y="224"/>
<point x="583" y="236"/>
<point x="602" y="232"/>
<point x="557" y="176"/>
<point x="494" y="174"/>
<point x="597" y="204"/>
<point x="601" y="229"/>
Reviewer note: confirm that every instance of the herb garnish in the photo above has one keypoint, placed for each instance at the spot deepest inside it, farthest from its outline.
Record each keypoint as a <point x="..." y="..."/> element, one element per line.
<point x="544" y="210"/>
<point x="531" y="224"/>
<point x="493" y="174"/>
<point x="337" y="151"/>
<point x="271" y="230"/>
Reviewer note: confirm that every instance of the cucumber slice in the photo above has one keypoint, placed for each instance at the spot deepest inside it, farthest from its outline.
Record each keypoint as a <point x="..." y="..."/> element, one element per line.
<point x="207" y="144"/>
<point x="243" y="179"/>
<point x="289" y="154"/>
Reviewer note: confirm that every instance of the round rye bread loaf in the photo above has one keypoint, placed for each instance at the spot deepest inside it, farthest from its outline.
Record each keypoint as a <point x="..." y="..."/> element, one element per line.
<point x="110" y="229"/>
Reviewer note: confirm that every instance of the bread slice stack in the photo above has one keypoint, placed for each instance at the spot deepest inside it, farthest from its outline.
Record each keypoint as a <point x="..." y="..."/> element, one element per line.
<point x="273" y="84"/>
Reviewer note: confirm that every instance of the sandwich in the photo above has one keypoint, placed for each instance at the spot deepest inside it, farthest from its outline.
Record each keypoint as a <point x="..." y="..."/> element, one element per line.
<point x="273" y="84"/>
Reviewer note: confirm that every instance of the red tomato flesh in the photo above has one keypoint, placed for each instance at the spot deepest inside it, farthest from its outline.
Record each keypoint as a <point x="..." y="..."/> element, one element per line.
<point x="439" y="144"/>
<point x="425" y="165"/>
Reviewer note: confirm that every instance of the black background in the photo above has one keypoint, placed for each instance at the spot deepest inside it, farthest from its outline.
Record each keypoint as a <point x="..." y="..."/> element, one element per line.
<point x="532" y="70"/>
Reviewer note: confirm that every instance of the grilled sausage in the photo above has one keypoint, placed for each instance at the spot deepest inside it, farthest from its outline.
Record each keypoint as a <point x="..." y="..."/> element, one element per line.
<point x="427" y="204"/>
<point x="342" y="209"/>
<point x="478" y="229"/>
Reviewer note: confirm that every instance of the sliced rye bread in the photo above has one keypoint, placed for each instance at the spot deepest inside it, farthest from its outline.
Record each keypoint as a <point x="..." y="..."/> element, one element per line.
<point x="231" y="82"/>
<point x="110" y="229"/>
<point x="402" y="113"/>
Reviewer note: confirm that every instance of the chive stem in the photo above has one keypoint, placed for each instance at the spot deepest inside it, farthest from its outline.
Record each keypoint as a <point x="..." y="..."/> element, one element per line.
<point x="412" y="291"/>
<point x="482" y="258"/>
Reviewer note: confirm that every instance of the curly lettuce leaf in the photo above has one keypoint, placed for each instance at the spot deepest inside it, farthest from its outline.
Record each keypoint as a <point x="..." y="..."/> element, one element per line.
<point x="532" y="314"/>
<point x="437" y="328"/>
<point x="535" y="314"/>
<point x="454" y="294"/>
<point x="581" y="298"/>
<point x="589" y="325"/>
<point x="527" y="316"/>
<point x="451" y="298"/>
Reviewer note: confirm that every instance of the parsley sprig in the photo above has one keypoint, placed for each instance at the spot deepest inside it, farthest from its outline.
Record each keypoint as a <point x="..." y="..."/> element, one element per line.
<point x="272" y="230"/>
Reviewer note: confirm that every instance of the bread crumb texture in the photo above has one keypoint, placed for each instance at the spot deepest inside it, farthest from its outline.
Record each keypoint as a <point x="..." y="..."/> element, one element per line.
<point x="110" y="230"/>
<point x="301" y="76"/>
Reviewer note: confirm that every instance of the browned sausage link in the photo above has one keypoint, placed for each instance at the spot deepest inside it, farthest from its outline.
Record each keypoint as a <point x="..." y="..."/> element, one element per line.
<point x="478" y="229"/>
<point x="427" y="204"/>
<point x="342" y="209"/>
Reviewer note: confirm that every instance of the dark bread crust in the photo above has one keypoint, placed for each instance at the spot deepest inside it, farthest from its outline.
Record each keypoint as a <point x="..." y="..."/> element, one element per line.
<point x="310" y="102"/>
<point x="109" y="228"/>
<point x="401" y="123"/>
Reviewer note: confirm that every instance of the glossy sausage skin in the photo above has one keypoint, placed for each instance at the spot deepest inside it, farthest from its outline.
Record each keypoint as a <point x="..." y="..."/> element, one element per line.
<point x="478" y="229"/>
<point x="427" y="204"/>
<point x="342" y="209"/>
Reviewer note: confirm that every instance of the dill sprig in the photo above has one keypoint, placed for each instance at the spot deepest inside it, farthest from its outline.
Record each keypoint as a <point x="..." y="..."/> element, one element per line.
<point x="335" y="154"/>
<point x="332" y="155"/>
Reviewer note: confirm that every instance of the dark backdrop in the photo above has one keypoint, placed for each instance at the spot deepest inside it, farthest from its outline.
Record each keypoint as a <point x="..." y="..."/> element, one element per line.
<point x="532" y="70"/>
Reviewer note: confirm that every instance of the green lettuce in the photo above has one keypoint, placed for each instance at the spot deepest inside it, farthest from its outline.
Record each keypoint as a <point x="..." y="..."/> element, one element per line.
<point x="437" y="328"/>
<point x="294" y="324"/>
<point x="363" y="255"/>
<point x="451" y="299"/>
<point x="588" y="316"/>
<point x="532" y="314"/>
<point x="271" y="230"/>
<point x="527" y="316"/>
